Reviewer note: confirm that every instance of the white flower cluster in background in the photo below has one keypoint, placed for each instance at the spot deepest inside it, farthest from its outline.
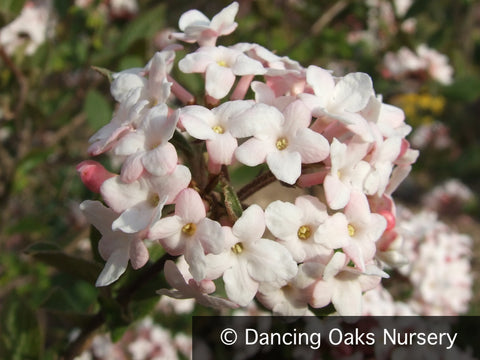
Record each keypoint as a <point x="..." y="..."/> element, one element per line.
<point x="30" y="29"/>
<point x="307" y="128"/>
<point x="438" y="270"/>
<point x="405" y="62"/>
<point x="145" y="341"/>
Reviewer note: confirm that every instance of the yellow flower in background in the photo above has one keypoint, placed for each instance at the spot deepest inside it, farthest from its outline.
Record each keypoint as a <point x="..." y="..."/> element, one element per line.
<point x="420" y="109"/>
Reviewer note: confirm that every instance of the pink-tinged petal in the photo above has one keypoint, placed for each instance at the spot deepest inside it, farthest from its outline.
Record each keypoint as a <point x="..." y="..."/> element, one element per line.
<point x="166" y="227"/>
<point x="270" y="261"/>
<point x="312" y="146"/>
<point x="168" y="186"/>
<point x="130" y="144"/>
<point x="111" y="241"/>
<point x="333" y="232"/>
<point x="297" y="116"/>
<point x="174" y="244"/>
<point x="104" y="139"/>
<point x="260" y="121"/>
<point x="98" y="215"/>
<point x="116" y="265"/>
<point x="211" y="236"/>
<point x="251" y="225"/>
<point x="247" y="66"/>
<point x="120" y="195"/>
<point x="124" y="82"/>
<point x="314" y="211"/>
<point x="228" y="111"/>
<point x="175" y="278"/>
<point x="283" y="219"/>
<point x="285" y="165"/>
<point x="198" y="124"/>
<point x="355" y="253"/>
<point x="336" y="192"/>
<point x="132" y="167"/>
<point x="192" y="17"/>
<point x="134" y="219"/>
<point x="138" y="254"/>
<point x="218" y="80"/>
<point x="217" y="264"/>
<point x="322" y="83"/>
<point x="336" y="263"/>
<point x="224" y="21"/>
<point x="240" y="287"/>
<point x="369" y="282"/>
<point x="93" y="174"/>
<point x="189" y="206"/>
<point x="347" y="297"/>
<point x="196" y="62"/>
<point x="161" y="161"/>
<point x="252" y="152"/>
<point x="353" y="92"/>
<point x="263" y="93"/>
<point x="221" y="148"/>
<point x="322" y="294"/>
<point x="338" y="155"/>
<point x="358" y="125"/>
<point x="195" y="257"/>
<point x="358" y="209"/>
<point x="158" y="126"/>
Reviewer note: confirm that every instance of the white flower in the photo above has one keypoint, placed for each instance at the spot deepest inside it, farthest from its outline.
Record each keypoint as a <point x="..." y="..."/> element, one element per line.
<point x="251" y="259"/>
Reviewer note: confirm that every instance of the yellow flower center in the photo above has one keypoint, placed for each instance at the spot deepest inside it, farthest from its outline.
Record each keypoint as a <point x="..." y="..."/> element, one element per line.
<point x="218" y="129"/>
<point x="237" y="248"/>
<point x="222" y="63"/>
<point x="189" y="229"/>
<point x="351" y="230"/>
<point x="152" y="102"/>
<point x="304" y="232"/>
<point x="281" y="143"/>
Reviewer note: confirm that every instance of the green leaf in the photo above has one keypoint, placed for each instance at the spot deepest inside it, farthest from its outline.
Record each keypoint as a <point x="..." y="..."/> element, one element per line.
<point x="97" y="109"/>
<point x="21" y="337"/>
<point x="232" y="203"/>
<point x="464" y="89"/>
<point x="77" y="267"/>
<point x="144" y="27"/>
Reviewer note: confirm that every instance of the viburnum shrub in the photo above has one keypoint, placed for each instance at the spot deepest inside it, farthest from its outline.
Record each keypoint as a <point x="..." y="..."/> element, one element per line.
<point x="303" y="127"/>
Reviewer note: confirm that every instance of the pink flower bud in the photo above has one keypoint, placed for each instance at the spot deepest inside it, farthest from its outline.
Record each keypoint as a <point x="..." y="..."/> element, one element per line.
<point x="93" y="174"/>
<point x="389" y="217"/>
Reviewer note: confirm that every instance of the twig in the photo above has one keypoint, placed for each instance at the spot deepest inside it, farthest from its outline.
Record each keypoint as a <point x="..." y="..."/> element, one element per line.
<point x="328" y="16"/>
<point x="255" y="185"/>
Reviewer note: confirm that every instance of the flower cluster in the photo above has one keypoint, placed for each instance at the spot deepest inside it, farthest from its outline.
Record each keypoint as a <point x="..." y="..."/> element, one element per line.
<point x="146" y="340"/>
<point x="30" y="29"/>
<point x="438" y="270"/>
<point x="303" y="127"/>
<point x="424" y="60"/>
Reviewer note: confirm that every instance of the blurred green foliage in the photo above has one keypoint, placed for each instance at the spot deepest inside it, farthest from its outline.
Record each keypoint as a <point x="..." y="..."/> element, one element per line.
<point x="53" y="101"/>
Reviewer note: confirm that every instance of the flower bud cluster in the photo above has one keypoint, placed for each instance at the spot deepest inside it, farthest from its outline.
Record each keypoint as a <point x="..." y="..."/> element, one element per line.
<point x="332" y="136"/>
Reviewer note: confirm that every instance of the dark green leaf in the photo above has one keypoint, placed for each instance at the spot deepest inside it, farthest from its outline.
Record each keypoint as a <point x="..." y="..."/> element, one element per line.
<point x="74" y="266"/>
<point x="464" y="89"/>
